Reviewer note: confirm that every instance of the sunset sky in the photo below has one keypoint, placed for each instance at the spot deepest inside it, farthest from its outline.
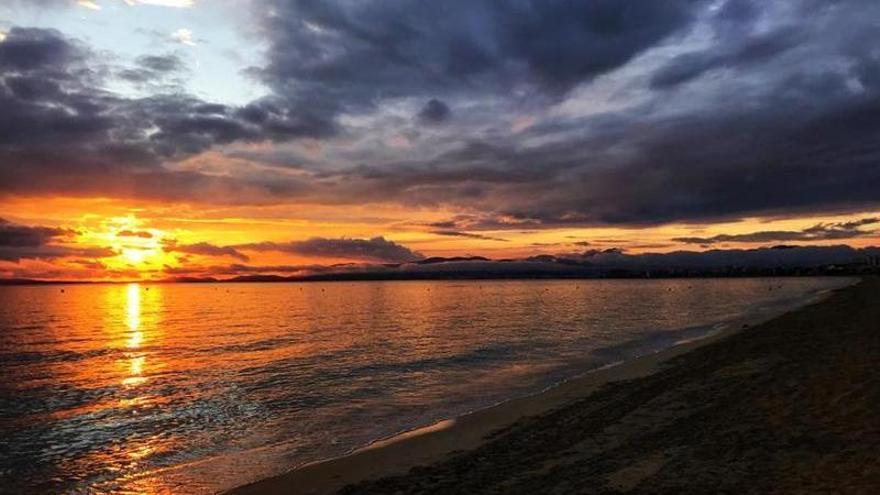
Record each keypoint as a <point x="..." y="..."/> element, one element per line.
<point x="147" y="139"/>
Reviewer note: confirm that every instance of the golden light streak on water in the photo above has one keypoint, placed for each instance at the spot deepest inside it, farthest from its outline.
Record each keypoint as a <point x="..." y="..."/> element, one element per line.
<point x="135" y="336"/>
<point x="195" y="388"/>
<point x="133" y="315"/>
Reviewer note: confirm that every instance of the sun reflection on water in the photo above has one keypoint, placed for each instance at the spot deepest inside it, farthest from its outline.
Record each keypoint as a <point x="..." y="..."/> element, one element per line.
<point x="135" y="328"/>
<point x="133" y="315"/>
<point x="135" y="336"/>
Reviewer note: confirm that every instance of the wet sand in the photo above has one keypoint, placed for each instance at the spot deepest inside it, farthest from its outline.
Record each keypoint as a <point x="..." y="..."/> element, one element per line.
<point x="791" y="405"/>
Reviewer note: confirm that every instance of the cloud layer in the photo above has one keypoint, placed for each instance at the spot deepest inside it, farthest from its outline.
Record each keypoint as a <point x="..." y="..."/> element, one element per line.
<point x="819" y="232"/>
<point x="515" y="114"/>
<point x="594" y="263"/>
<point x="19" y="242"/>
<point x="377" y="249"/>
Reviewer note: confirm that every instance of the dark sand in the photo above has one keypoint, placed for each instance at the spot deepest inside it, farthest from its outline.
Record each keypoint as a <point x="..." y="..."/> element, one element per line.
<point x="789" y="406"/>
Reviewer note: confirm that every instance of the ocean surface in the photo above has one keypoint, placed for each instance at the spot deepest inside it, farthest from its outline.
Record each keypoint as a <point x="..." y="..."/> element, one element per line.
<point x="195" y="388"/>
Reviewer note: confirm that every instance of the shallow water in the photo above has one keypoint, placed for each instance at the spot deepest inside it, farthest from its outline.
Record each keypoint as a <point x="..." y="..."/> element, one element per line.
<point x="194" y="388"/>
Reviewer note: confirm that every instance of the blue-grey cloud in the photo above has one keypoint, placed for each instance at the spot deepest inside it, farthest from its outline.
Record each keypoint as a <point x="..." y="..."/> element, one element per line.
<point x="61" y="132"/>
<point x="328" y="57"/>
<point x="434" y="112"/>
<point x="743" y="108"/>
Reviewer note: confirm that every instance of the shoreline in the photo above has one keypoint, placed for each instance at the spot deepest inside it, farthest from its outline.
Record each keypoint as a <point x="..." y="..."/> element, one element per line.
<point x="431" y="444"/>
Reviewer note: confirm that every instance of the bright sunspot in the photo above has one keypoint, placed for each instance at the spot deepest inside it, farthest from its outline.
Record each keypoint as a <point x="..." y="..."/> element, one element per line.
<point x="134" y="256"/>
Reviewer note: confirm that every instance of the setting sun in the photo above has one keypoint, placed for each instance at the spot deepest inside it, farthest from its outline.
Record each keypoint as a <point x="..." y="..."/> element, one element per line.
<point x="134" y="256"/>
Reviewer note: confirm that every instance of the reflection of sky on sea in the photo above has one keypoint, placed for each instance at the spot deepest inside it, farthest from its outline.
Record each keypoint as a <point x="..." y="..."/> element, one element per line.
<point x="176" y="388"/>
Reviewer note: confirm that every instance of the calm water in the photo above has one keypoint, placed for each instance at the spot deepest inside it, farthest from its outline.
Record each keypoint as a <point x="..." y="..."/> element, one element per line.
<point x="196" y="388"/>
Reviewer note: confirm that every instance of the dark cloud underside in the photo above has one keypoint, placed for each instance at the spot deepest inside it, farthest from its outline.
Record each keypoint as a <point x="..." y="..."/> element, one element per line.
<point x="375" y="249"/>
<point x="205" y="249"/>
<point x="739" y="108"/>
<point x="820" y="232"/>
<point x="19" y="242"/>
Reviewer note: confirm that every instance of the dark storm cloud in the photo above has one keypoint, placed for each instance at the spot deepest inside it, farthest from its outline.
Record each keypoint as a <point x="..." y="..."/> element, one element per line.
<point x="375" y="249"/>
<point x="35" y="242"/>
<point x="750" y="50"/>
<point x="819" y="232"/>
<point x="434" y="112"/>
<point x="204" y="249"/>
<point x="735" y="108"/>
<point x="739" y="40"/>
<point x="25" y="50"/>
<point x="331" y="57"/>
<point x="796" y="136"/>
<point x="61" y="133"/>
<point x="15" y="235"/>
<point x="793" y="127"/>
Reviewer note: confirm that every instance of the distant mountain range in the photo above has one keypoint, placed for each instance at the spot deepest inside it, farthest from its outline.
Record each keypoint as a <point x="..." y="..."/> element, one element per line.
<point x="611" y="263"/>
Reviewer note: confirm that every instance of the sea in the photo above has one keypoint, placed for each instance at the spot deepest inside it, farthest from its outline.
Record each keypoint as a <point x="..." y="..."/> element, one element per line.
<point x="197" y="388"/>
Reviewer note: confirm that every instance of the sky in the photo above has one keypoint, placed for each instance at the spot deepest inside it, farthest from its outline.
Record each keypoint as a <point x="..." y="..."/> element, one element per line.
<point x="142" y="139"/>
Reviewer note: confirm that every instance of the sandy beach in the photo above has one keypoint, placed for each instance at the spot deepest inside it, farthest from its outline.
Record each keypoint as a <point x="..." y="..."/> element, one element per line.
<point x="786" y="405"/>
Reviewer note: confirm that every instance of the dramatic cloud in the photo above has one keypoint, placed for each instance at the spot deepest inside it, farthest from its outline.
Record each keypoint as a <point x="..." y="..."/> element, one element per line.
<point x="820" y="232"/>
<point x="375" y="249"/>
<point x="738" y="52"/>
<point x="204" y="249"/>
<point x="19" y="242"/>
<point x="434" y="112"/>
<point x="61" y="133"/>
<point x="718" y="148"/>
<point x="412" y="47"/>
<point x="556" y="113"/>
<point x="14" y="235"/>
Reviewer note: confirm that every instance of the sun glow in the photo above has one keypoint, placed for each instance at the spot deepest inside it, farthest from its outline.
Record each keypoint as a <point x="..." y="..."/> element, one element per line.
<point x="134" y="256"/>
<point x="138" y="247"/>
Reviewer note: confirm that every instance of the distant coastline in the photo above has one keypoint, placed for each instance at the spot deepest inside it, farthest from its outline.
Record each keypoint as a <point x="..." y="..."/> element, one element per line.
<point x="438" y="277"/>
<point x="829" y="272"/>
<point x="776" y="261"/>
